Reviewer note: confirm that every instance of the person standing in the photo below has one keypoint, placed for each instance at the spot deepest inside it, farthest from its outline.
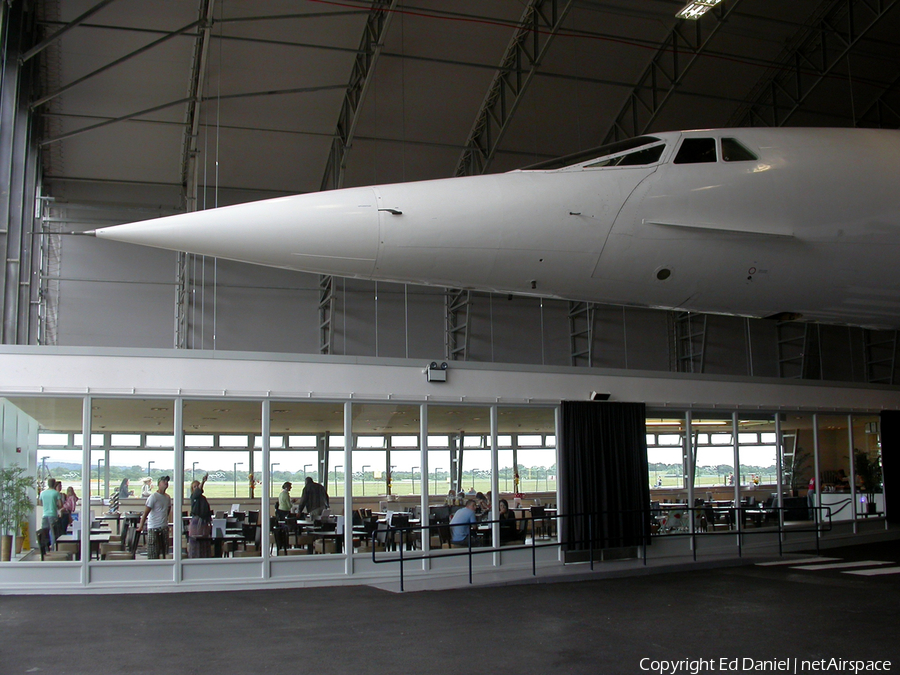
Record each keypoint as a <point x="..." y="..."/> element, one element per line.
<point x="156" y="515"/>
<point x="283" y="509"/>
<point x="70" y="504"/>
<point x="200" y="528"/>
<point x="51" y="500"/>
<point x="314" y="498"/>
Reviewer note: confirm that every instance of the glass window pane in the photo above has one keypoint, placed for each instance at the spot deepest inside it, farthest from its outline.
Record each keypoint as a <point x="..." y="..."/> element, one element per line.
<point x="696" y="150"/>
<point x="714" y="457"/>
<point x="734" y="151"/>
<point x="130" y="476"/>
<point x="37" y="432"/>
<point x="867" y="474"/>
<point x="665" y="457"/>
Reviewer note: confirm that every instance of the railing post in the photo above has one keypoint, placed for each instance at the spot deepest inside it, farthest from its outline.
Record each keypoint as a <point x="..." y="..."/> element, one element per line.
<point x="590" y="542"/>
<point x="402" y="546"/>
<point x="470" y="556"/>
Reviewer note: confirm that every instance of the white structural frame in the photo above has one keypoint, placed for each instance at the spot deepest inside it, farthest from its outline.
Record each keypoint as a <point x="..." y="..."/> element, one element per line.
<point x="180" y="376"/>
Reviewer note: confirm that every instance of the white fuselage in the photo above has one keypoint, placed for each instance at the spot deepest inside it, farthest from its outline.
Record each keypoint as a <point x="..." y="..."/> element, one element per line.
<point x="810" y="227"/>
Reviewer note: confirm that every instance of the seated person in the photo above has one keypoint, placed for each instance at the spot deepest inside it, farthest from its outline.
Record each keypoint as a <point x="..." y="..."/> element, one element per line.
<point x="482" y="505"/>
<point x="460" y="524"/>
<point x="509" y="530"/>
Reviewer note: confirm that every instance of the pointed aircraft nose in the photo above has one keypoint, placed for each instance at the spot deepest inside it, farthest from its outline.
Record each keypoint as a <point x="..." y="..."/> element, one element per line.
<point x="333" y="232"/>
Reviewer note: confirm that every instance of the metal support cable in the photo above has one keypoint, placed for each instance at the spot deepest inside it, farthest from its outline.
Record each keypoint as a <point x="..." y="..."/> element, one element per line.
<point x="370" y="47"/>
<point x="190" y="165"/>
<point x="539" y="24"/>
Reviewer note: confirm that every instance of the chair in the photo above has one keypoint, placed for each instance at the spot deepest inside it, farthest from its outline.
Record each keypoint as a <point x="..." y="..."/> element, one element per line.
<point x="72" y="548"/>
<point x="539" y="521"/>
<point x="131" y="544"/>
<point x="253" y="517"/>
<point x="249" y="533"/>
<point x="55" y="555"/>
<point x="246" y="554"/>
<point x="280" y="538"/>
<point x="398" y="524"/>
<point x="43" y="538"/>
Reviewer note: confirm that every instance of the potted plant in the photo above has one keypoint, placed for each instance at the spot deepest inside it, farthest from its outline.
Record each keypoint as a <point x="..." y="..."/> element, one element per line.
<point x="869" y="475"/>
<point x="15" y="506"/>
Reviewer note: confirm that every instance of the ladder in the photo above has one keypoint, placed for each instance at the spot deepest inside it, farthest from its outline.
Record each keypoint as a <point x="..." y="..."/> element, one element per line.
<point x="581" y="333"/>
<point x="690" y="341"/>
<point x="881" y="356"/>
<point x="457" y="302"/>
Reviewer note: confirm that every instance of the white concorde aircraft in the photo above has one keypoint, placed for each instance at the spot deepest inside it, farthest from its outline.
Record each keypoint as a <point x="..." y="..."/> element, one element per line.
<point x="762" y="222"/>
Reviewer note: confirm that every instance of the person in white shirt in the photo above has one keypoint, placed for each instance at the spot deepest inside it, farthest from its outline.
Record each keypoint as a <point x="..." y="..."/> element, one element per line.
<point x="156" y="515"/>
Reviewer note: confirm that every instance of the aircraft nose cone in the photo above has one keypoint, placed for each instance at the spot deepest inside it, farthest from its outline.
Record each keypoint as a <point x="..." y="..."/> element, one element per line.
<point x="332" y="232"/>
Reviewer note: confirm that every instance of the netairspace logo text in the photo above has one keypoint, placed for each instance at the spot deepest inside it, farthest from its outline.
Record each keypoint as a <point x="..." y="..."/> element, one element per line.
<point x="794" y="665"/>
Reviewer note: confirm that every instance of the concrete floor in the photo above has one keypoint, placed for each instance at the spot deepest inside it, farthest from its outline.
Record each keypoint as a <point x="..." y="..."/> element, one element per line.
<point x="585" y="627"/>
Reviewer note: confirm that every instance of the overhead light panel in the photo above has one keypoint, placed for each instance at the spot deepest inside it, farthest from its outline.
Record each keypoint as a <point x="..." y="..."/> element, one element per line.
<point x="697" y="8"/>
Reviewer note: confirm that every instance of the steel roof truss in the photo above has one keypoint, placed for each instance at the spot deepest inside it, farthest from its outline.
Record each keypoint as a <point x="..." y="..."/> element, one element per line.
<point x="539" y="24"/>
<point x="678" y="53"/>
<point x="817" y="51"/>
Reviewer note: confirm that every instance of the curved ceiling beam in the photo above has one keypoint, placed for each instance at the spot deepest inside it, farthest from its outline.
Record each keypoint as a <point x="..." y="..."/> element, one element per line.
<point x="538" y="26"/>
<point x="816" y="51"/>
<point x="370" y="47"/>
<point x="880" y="112"/>
<point x="677" y="54"/>
<point x="189" y="163"/>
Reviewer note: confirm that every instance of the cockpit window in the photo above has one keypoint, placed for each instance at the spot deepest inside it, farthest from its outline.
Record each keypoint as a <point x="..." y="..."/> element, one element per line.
<point x="733" y="151"/>
<point x="696" y="151"/>
<point x="602" y="151"/>
<point x="636" y="158"/>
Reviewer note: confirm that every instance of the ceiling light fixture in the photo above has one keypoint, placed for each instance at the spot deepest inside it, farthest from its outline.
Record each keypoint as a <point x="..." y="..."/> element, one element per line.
<point x="697" y="8"/>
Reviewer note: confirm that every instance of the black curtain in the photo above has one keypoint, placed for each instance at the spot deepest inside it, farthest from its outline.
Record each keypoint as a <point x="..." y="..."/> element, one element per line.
<point x="603" y="472"/>
<point x="890" y="463"/>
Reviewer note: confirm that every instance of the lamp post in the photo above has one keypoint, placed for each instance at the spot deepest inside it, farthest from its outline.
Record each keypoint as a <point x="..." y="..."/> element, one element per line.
<point x="148" y="470"/>
<point x="412" y="479"/>
<point x="194" y="471"/>
<point x="337" y="466"/>
<point x="44" y="466"/>
<point x="390" y="477"/>
<point x="234" y="476"/>
<point x="272" y="476"/>
<point x="436" y="469"/>
<point x="306" y="466"/>
<point x="364" y="467"/>
<point x="99" y="464"/>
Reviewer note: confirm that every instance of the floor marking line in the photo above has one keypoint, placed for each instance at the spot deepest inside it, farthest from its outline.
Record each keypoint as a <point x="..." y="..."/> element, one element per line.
<point x="797" y="561"/>
<point x="837" y="566"/>
<point x="877" y="571"/>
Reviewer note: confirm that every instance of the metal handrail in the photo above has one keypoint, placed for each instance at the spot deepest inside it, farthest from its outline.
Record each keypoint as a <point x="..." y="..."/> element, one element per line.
<point x="822" y="522"/>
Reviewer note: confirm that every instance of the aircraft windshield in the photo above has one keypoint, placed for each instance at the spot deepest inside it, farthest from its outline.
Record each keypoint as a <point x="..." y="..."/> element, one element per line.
<point x="605" y="151"/>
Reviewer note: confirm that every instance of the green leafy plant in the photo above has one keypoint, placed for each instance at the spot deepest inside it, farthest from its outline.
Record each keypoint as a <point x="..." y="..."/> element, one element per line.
<point x="869" y="473"/>
<point x="15" y="501"/>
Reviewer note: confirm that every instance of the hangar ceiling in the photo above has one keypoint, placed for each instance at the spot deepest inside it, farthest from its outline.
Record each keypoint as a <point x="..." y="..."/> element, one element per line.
<point x="231" y="100"/>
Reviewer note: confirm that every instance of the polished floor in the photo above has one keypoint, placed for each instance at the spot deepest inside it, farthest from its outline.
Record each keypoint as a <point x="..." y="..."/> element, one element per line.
<point x="804" y="608"/>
